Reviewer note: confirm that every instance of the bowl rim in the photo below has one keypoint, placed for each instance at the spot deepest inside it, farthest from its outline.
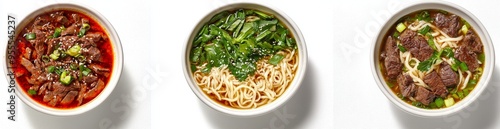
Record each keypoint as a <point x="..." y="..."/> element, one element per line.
<point x="293" y="86"/>
<point x="117" y="65"/>
<point x="454" y="9"/>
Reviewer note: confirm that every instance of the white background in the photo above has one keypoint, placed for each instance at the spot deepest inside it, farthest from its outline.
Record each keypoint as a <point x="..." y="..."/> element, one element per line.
<point x="358" y="101"/>
<point x="338" y="90"/>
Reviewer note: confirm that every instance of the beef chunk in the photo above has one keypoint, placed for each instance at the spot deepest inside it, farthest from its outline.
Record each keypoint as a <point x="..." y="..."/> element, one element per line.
<point x="97" y="88"/>
<point x="392" y="62"/>
<point x="28" y="65"/>
<point x="92" y="53"/>
<point x="473" y="42"/>
<point x="68" y="99"/>
<point x="89" y="79"/>
<point x="416" y="44"/>
<point x="449" y="77"/>
<point x="465" y="54"/>
<point x="100" y="70"/>
<point x="450" y="25"/>
<point x="436" y="84"/>
<point x="70" y="30"/>
<point x="424" y="96"/>
<point x="406" y="85"/>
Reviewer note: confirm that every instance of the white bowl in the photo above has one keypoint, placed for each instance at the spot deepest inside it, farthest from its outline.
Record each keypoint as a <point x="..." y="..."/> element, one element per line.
<point x="117" y="66"/>
<point x="454" y="9"/>
<point x="294" y="85"/>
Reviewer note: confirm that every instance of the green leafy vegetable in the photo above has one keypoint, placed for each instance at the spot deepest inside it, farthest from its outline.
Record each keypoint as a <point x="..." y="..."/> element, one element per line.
<point x="448" y="52"/>
<point x="424" y="16"/>
<point x="430" y="41"/>
<point x="424" y="30"/>
<point x="463" y="66"/>
<point x="427" y="64"/>
<point x="401" y="48"/>
<point x="238" y="40"/>
<point x="276" y="59"/>
<point x="395" y="34"/>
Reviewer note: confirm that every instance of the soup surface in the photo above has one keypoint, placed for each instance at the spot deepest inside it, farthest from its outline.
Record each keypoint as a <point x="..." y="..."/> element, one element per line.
<point x="432" y="59"/>
<point x="244" y="58"/>
<point x="64" y="59"/>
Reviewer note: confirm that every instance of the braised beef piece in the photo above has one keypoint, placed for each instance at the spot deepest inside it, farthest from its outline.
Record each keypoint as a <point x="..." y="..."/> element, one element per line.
<point x="433" y="80"/>
<point x="92" y="53"/>
<point x="473" y="42"/>
<point x="406" y="85"/>
<point x="449" y="25"/>
<point x="465" y="54"/>
<point x="28" y="65"/>
<point x="99" y="69"/>
<point x="448" y="76"/>
<point x="96" y="87"/>
<point x="71" y="30"/>
<point x="424" y="96"/>
<point x="392" y="62"/>
<point x="68" y="99"/>
<point x="416" y="44"/>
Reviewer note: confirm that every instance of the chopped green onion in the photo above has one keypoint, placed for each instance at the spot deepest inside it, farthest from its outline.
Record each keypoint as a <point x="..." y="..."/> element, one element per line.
<point x="55" y="55"/>
<point x="51" y="69"/>
<point x="439" y="102"/>
<point x="57" y="33"/>
<point x="449" y="102"/>
<point x="65" y="78"/>
<point x="85" y="71"/>
<point x="83" y="30"/>
<point x="30" y="36"/>
<point x="59" y="71"/>
<point x="73" y="66"/>
<point x="45" y="58"/>
<point x="401" y="27"/>
<point x="464" y="29"/>
<point x="74" y="51"/>
<point x="31" y="92"/>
